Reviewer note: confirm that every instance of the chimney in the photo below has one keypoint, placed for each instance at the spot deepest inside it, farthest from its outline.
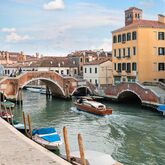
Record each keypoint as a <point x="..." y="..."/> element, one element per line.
<point x="161" y="18"/>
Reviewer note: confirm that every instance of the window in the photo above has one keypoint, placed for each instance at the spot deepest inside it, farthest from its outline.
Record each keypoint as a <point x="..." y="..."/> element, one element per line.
<point x="114" y="39"/>
<point x="119" y="38"/>
<point x="119" y="53"/>
<point x="161" y="51"/>
<point x="81" y="68"/>
<point x="85" y="70"/>
<point x="161" y="36"/>
<point x="134" y="35"/>
<point x="90" y="70"/>
<point x="95" y="70"/>
<point x="134" y="66"/>
<point x="134" y="50"/>
<point x="96" y="81"/>
<point x="128" y="52"/>
<point x="128" y="68"/>
<point x="119" y="67"/>
<point x="114" y="66"/>
<point x="67" y="71"/>
<point x="123" y="52"/>
<point x="75" y="71"/>
<point x="81" y="60"/>
<point x="123" y="37"/>
<point x="90" y="80"/>
<point x="128" y="36"/>
<point x="114" y="52"/>
<point x="123" y="66"/>
<point x="62" y="72"/>
<point x="161" y="66"/>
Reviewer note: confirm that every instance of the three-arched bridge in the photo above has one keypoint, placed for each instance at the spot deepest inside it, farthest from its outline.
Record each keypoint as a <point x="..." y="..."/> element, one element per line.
<point x="60" y="86"/>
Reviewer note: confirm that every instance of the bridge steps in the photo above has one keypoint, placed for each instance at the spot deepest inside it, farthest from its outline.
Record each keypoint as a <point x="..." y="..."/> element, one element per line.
<point x="159" y="91"/>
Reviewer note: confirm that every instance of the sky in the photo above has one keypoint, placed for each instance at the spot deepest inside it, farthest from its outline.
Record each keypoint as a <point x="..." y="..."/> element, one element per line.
<point x="59" y="27"/>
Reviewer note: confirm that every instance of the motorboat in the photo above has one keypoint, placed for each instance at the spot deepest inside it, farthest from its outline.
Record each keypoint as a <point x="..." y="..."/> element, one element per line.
<point x="47" y="137"/>
<point x="92" y="107"/>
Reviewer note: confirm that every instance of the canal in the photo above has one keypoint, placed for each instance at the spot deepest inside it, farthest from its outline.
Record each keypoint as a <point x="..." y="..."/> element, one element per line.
<point x="133" y="135"/>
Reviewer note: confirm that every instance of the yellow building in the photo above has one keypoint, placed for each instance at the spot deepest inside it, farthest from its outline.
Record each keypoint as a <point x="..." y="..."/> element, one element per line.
<point x="139" y="49"/>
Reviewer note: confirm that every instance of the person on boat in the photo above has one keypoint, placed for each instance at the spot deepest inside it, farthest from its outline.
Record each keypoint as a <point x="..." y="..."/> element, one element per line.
<point x="81" y="100"/>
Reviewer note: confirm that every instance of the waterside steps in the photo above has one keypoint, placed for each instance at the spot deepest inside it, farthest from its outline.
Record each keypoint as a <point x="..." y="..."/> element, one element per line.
<point x="17" y="149"/>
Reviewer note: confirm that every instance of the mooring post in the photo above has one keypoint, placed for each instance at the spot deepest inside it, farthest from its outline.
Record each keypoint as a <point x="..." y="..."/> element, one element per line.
<point x="7" y="117"/>
<point x="67" y="150"/>
<point x="11" y="116"/>
<point x="24" y="121"/>
<point x="81" y="149"/>
<point x="30" y="128"/>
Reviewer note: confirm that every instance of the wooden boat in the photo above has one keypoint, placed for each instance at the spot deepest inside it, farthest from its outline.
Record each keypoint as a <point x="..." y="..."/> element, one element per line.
<point x="6" y="115"/>
<point x="93" y="158"/>
<point x="92" y="107"/>
<point x="19" y="126"/>
<point x="47" y="137"/>
<point x="161" y="108"/>
<point x="7" y="104"/>
<point x="35" y="90"/>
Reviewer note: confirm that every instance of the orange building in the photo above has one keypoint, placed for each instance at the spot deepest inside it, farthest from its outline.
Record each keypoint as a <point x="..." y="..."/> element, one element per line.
<point x="139" y="49"/>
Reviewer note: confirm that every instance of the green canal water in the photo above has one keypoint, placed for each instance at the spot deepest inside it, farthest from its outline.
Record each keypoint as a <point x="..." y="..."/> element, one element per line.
<point x="133" y="135"/>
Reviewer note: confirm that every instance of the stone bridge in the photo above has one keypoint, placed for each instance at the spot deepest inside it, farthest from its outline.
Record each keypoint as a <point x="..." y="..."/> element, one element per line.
<point x="127" y="90"/>
<point x="60" y="86"/>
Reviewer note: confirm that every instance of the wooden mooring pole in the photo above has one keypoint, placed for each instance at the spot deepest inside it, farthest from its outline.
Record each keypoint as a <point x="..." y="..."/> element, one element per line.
<point x="30" y="128"/>
<point x="24" y="121"/>
<point x="67" y="150"/>
<point x="81" y="149"/>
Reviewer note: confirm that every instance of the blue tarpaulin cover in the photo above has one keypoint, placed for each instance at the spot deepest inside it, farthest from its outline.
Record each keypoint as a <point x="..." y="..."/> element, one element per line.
<point x="161" y="107"/>
<point x="51" y="138"/>
<point x="42" y="131"/>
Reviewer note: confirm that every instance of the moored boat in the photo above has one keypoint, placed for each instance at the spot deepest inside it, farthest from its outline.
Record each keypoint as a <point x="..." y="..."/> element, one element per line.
<point x="35" y="90"/>
<point x="47" y="137"/>
<point x="94" y="158"/>
<point x="7" y="104"/>
<point x="6" y="115"/>
<point x="161" y="108"/>
<point x="92" y="107"/>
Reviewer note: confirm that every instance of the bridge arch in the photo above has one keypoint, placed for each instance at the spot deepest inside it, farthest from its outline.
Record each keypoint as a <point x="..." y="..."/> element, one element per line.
<point x="85" y="90"/>
<point x="124" y="94"/>
<point x="55" y="88"/>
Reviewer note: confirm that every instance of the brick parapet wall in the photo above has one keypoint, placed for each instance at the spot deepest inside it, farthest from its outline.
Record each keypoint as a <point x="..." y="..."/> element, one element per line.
<point x="146" y="95"/>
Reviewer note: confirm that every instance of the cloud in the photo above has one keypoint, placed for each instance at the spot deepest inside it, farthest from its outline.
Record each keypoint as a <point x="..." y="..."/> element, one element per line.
<point x="54" y="5"/>
<point x="8" y="30"/>
<point x="14" y="37"/>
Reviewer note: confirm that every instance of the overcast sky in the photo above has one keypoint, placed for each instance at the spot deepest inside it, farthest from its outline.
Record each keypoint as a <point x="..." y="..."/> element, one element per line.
<point x="58" y="27"/>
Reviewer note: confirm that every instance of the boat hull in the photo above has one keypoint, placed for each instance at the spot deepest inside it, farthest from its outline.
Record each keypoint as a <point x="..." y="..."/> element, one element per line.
<point x="93" y="110"/>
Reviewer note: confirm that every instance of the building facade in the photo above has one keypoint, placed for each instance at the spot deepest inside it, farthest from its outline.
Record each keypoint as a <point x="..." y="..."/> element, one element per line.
<point x="98" y="72"/>
<point x="139" y="49"/>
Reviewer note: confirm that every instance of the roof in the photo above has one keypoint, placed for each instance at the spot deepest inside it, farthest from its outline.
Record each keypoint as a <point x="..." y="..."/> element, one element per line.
<point x="133" y="8"/>
<point x="142" y="23"/>
<point x="98" y="62"/>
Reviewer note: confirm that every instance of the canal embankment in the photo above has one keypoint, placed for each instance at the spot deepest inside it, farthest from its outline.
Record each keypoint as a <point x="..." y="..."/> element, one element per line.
<point x="17" y="149"/>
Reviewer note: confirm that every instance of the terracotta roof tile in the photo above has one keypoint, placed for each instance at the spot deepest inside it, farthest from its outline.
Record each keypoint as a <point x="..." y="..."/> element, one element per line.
<point x="142" y="23"/>
<point x="98" y="62"/>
